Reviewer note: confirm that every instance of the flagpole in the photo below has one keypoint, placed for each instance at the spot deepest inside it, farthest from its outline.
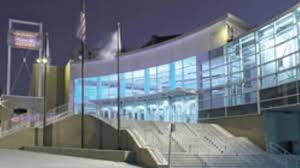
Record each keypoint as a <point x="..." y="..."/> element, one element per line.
<point x="82" y="80"/>
<point x="82" y="94"/>
<point x="118" y="81"/>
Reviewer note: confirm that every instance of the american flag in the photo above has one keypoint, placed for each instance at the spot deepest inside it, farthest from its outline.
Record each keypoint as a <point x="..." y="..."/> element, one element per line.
<point x="81" y="33"/>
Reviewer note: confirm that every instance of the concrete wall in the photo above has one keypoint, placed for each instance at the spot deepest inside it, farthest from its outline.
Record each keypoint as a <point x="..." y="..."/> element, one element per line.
<point x="143" y="156"/>
<point x="252" y="127"/>
<point x="34" y="105"/>
<point x="98" y="135"/>
<point x="5" y="115"/>
<point x="27" y="137"/>
<point x="55" y="85"/>
<point x="67" y="133"/>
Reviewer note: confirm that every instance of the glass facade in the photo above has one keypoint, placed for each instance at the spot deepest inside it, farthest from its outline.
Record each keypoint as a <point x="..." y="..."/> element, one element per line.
<point x="265" y="58"/>
<point x="143" y="93"/>
<point x="228" y="82"/>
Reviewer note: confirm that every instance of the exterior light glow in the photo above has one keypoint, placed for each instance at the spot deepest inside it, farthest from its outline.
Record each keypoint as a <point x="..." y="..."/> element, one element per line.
<point x="38" y="60"/>
<point x="42" y="60"/>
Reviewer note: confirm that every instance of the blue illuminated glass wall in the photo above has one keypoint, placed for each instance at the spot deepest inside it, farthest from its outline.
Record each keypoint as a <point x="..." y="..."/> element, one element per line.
<point x="158" y="79"/>
<point x="145" y="82"/>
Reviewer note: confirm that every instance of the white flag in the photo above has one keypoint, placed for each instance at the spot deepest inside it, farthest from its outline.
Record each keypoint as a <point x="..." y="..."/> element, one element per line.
<point x="111" y="47"/>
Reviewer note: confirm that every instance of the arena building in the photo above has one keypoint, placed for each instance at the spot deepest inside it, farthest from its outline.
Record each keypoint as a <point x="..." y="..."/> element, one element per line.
<point x="224" y="69"/>
<point x="160" y="82"/>
<point x="240" y="84"/>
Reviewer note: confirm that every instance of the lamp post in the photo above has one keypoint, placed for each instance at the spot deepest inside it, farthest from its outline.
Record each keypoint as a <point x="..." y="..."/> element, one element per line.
<point x="44" y="61"/>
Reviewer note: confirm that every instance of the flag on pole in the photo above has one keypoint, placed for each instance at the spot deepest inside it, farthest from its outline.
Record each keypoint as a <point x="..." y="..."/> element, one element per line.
<point x="119" y="38"/>
<point x="109" y="47"/>
<point x="81" y="32"/>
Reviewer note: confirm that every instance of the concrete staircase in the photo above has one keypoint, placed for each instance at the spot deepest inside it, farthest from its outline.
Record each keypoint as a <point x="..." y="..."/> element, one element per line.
<point x="194" y="145"/>
<point x="183" y="160"/>
<point x="201" y="145"/>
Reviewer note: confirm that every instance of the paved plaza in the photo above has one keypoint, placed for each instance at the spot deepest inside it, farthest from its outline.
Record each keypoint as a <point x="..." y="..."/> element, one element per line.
<point x="24" y="159"/>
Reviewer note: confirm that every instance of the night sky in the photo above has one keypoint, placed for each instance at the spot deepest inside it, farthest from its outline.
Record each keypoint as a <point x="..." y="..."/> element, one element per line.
<point x="139" y="18"/>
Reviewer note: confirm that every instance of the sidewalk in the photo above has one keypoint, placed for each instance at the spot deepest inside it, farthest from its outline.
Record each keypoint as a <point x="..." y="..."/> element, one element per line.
<point x="24" y="159"/>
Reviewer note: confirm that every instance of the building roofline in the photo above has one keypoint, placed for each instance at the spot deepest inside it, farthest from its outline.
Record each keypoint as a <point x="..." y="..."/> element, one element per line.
<point x="219" y="19"/>
<point x="227" y="16"/>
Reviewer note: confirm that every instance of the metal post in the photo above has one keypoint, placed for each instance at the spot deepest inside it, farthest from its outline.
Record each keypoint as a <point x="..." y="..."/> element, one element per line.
<point x="8" y="61"/>
<point x="82" y="94"/>
<point x="118" y="81"/>
<point x="44" y="61"/>
<point x="8" y="70"/>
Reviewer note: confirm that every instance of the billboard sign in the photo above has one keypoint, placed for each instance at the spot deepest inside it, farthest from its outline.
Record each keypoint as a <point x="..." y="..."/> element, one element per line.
<point x="25" y="39"/>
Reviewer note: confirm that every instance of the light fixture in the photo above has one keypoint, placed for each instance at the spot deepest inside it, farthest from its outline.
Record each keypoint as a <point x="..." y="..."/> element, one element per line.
<point x="38" y="60"/>
<point x="42" y="60"/>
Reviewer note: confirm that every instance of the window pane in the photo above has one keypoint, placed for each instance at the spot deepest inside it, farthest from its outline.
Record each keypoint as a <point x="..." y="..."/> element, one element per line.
<point x="286" y="76"/>
<point x="179" y="74"/>
<point x="206" y="84"/>
<point x="235" y="67"/>
<point x="286" y="62"/>
<point x="268" y="69"/>
<point x="250" y="73"/>
<point x="268" y="81"/>
<point x="286" y="48"/>
<point x="265" y="32"/>
<point x="285" y="28"/>
<point x="128" y="83"/>
<point x="266" y="43"/>
<point x="153" y="80"/>
<point x="205" y="65"/>
<point x="217" y="62"/>
<point x="138" y="82"/>
<point x="267" y="55"/>
<point x="190" y="75"/>
<point x="163" y="77"/>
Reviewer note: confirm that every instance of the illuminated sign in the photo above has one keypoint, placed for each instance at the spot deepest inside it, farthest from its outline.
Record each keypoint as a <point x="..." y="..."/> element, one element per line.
<point x="25" y="39"/>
